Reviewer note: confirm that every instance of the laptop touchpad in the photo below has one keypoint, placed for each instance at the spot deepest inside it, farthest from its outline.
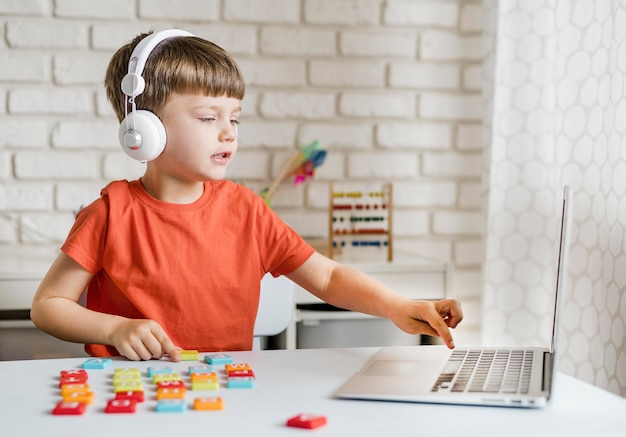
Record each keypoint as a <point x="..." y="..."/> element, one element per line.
<point x="398" y="368"/>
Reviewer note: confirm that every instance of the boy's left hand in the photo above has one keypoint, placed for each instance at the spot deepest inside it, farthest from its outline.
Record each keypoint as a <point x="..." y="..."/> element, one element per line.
<point x="430" y="318"/>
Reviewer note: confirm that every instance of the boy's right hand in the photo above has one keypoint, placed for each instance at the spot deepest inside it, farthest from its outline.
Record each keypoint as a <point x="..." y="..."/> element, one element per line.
<point x="143" y="339"/>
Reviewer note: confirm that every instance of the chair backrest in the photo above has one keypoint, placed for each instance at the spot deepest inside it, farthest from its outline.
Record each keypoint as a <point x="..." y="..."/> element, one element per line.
<point x="275" y="307"/>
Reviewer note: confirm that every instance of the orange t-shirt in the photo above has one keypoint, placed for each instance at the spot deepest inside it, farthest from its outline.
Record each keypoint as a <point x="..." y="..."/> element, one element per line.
<point x="194" y="268"/>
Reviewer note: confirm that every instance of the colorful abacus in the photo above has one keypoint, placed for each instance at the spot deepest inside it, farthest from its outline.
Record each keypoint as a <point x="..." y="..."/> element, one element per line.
<point x="360" y="219"/>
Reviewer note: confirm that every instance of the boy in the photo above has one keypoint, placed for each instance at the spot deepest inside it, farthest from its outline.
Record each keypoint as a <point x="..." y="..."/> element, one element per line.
<point x="174" y="260"/>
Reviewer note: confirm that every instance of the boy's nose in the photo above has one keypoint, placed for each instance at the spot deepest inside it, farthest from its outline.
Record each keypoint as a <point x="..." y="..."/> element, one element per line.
<point x="229" y="132"/>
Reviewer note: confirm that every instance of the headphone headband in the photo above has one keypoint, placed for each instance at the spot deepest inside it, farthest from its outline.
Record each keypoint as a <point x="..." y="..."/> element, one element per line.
<point x="141" y="134"/>
<point x="133" y="83"/>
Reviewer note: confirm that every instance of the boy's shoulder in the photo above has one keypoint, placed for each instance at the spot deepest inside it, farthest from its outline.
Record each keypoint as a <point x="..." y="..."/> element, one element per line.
<point x="117" y="187"/>
<point x="232" y="188"/>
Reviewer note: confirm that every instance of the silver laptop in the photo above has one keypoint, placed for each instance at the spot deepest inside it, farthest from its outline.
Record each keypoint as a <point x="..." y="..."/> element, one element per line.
<point x="496" y="376"/>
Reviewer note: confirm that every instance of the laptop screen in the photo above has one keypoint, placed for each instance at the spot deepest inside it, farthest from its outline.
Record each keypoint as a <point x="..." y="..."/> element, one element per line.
<point x="561" y="272"/>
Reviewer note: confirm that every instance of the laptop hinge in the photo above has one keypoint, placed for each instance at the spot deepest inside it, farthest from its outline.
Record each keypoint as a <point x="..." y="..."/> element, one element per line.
<point x="546" y="384"/>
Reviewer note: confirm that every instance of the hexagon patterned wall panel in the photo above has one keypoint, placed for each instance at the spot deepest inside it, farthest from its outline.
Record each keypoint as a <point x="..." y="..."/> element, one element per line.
<point x="555" y="90"/>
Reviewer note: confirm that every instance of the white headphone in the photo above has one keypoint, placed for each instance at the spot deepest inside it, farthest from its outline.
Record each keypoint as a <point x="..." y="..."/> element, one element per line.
<point x="141" y="134"/>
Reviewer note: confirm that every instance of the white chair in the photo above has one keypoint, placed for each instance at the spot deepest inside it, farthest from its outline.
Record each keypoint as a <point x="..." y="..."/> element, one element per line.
<point x="275" y="308"/>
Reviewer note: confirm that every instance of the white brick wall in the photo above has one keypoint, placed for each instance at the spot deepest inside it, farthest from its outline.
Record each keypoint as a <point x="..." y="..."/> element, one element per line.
<point x="347" y="73"/>
<point x="281" y="41"/>
<point x="23" y="67"/>
<point x="59" y="101"/>
<point x="390" y="88"/>
<point x="346" y="12"/>
<point x="428" y="13"/>
<point x="111" y="9"/>
<point x="193" y="10"/>
<point x="261" y="11"/>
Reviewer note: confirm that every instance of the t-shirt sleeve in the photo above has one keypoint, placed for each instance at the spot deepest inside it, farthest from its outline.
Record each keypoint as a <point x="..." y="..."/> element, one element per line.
<point x="85" y="241"/>
<point x="282" y="249"/>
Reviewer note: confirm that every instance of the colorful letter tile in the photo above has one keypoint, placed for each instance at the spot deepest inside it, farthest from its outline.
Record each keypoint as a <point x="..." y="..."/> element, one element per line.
<point x="75" y="372"/>
<point x="120" y="406"/>
<point x="189" y="355"/>
<point x="125" y="377"/>
<point x="241" y="373"/>
<point x="85" y="397"/>
<point x="208" y="384"/>
<point x="71" y="388"/>
<point x="170" y="393"/>
<point x="218" y="359"/>
<point x="128" y="386"/>
<point x="137" y="396"/>
<point x="98" y="363"/>
<point x="308" y="421"/>
<point x="170" y="384"/>
<point x="69" y="407"/>
<point x="203" y="376"/>
<point x="200" y="368"/>
<point x="208" y="403"/>
<point x="165" y="377"/>
<point x="236" y="366"/>
<point x="127" y="371"/>
<point x="159" y="370"/>
<point x="245" y="382"/>
<point x="171" y="405"/>
<point x="73" y="377"/>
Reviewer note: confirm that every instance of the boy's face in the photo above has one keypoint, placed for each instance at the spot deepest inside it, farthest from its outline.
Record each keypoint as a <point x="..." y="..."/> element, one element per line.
<point x="201" y="136"/>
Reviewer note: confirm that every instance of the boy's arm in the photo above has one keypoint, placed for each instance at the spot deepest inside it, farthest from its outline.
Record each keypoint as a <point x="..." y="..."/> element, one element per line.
<point x="55" y="310"/>
<point x="348" y="288"/>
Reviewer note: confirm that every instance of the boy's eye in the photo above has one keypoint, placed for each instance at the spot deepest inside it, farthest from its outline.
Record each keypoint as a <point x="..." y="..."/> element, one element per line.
<point x="207" y="119"/>
<point x="234" y="122"/>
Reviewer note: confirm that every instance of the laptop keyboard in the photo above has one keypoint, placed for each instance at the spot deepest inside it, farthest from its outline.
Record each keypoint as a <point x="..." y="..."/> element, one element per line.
<point x="486" y="371"/>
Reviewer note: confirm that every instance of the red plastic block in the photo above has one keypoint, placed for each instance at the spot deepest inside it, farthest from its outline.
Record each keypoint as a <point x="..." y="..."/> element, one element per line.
<point x="72" y="408"/>
<point x="308" y="421"/>
<point x="74" y="372"/>
<point x="137" y="396"/>
<point x="241" y="373"/>
<point x="71" y="378"/>
<point x="120" y="406"/>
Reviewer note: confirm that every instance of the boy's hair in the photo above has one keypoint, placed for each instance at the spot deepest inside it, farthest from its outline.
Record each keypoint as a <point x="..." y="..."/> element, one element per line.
<point x="177" y="65"/>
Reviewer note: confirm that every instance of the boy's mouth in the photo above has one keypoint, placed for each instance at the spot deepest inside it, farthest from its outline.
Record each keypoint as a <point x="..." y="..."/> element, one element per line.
<point x="221" y="157"/>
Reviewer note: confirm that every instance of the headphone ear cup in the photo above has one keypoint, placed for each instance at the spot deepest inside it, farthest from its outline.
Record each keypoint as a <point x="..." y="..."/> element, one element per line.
<point x="147" y="140"/>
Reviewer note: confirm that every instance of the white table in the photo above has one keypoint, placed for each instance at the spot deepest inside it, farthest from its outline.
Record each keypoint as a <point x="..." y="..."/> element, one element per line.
<point x="289" y="382"/>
